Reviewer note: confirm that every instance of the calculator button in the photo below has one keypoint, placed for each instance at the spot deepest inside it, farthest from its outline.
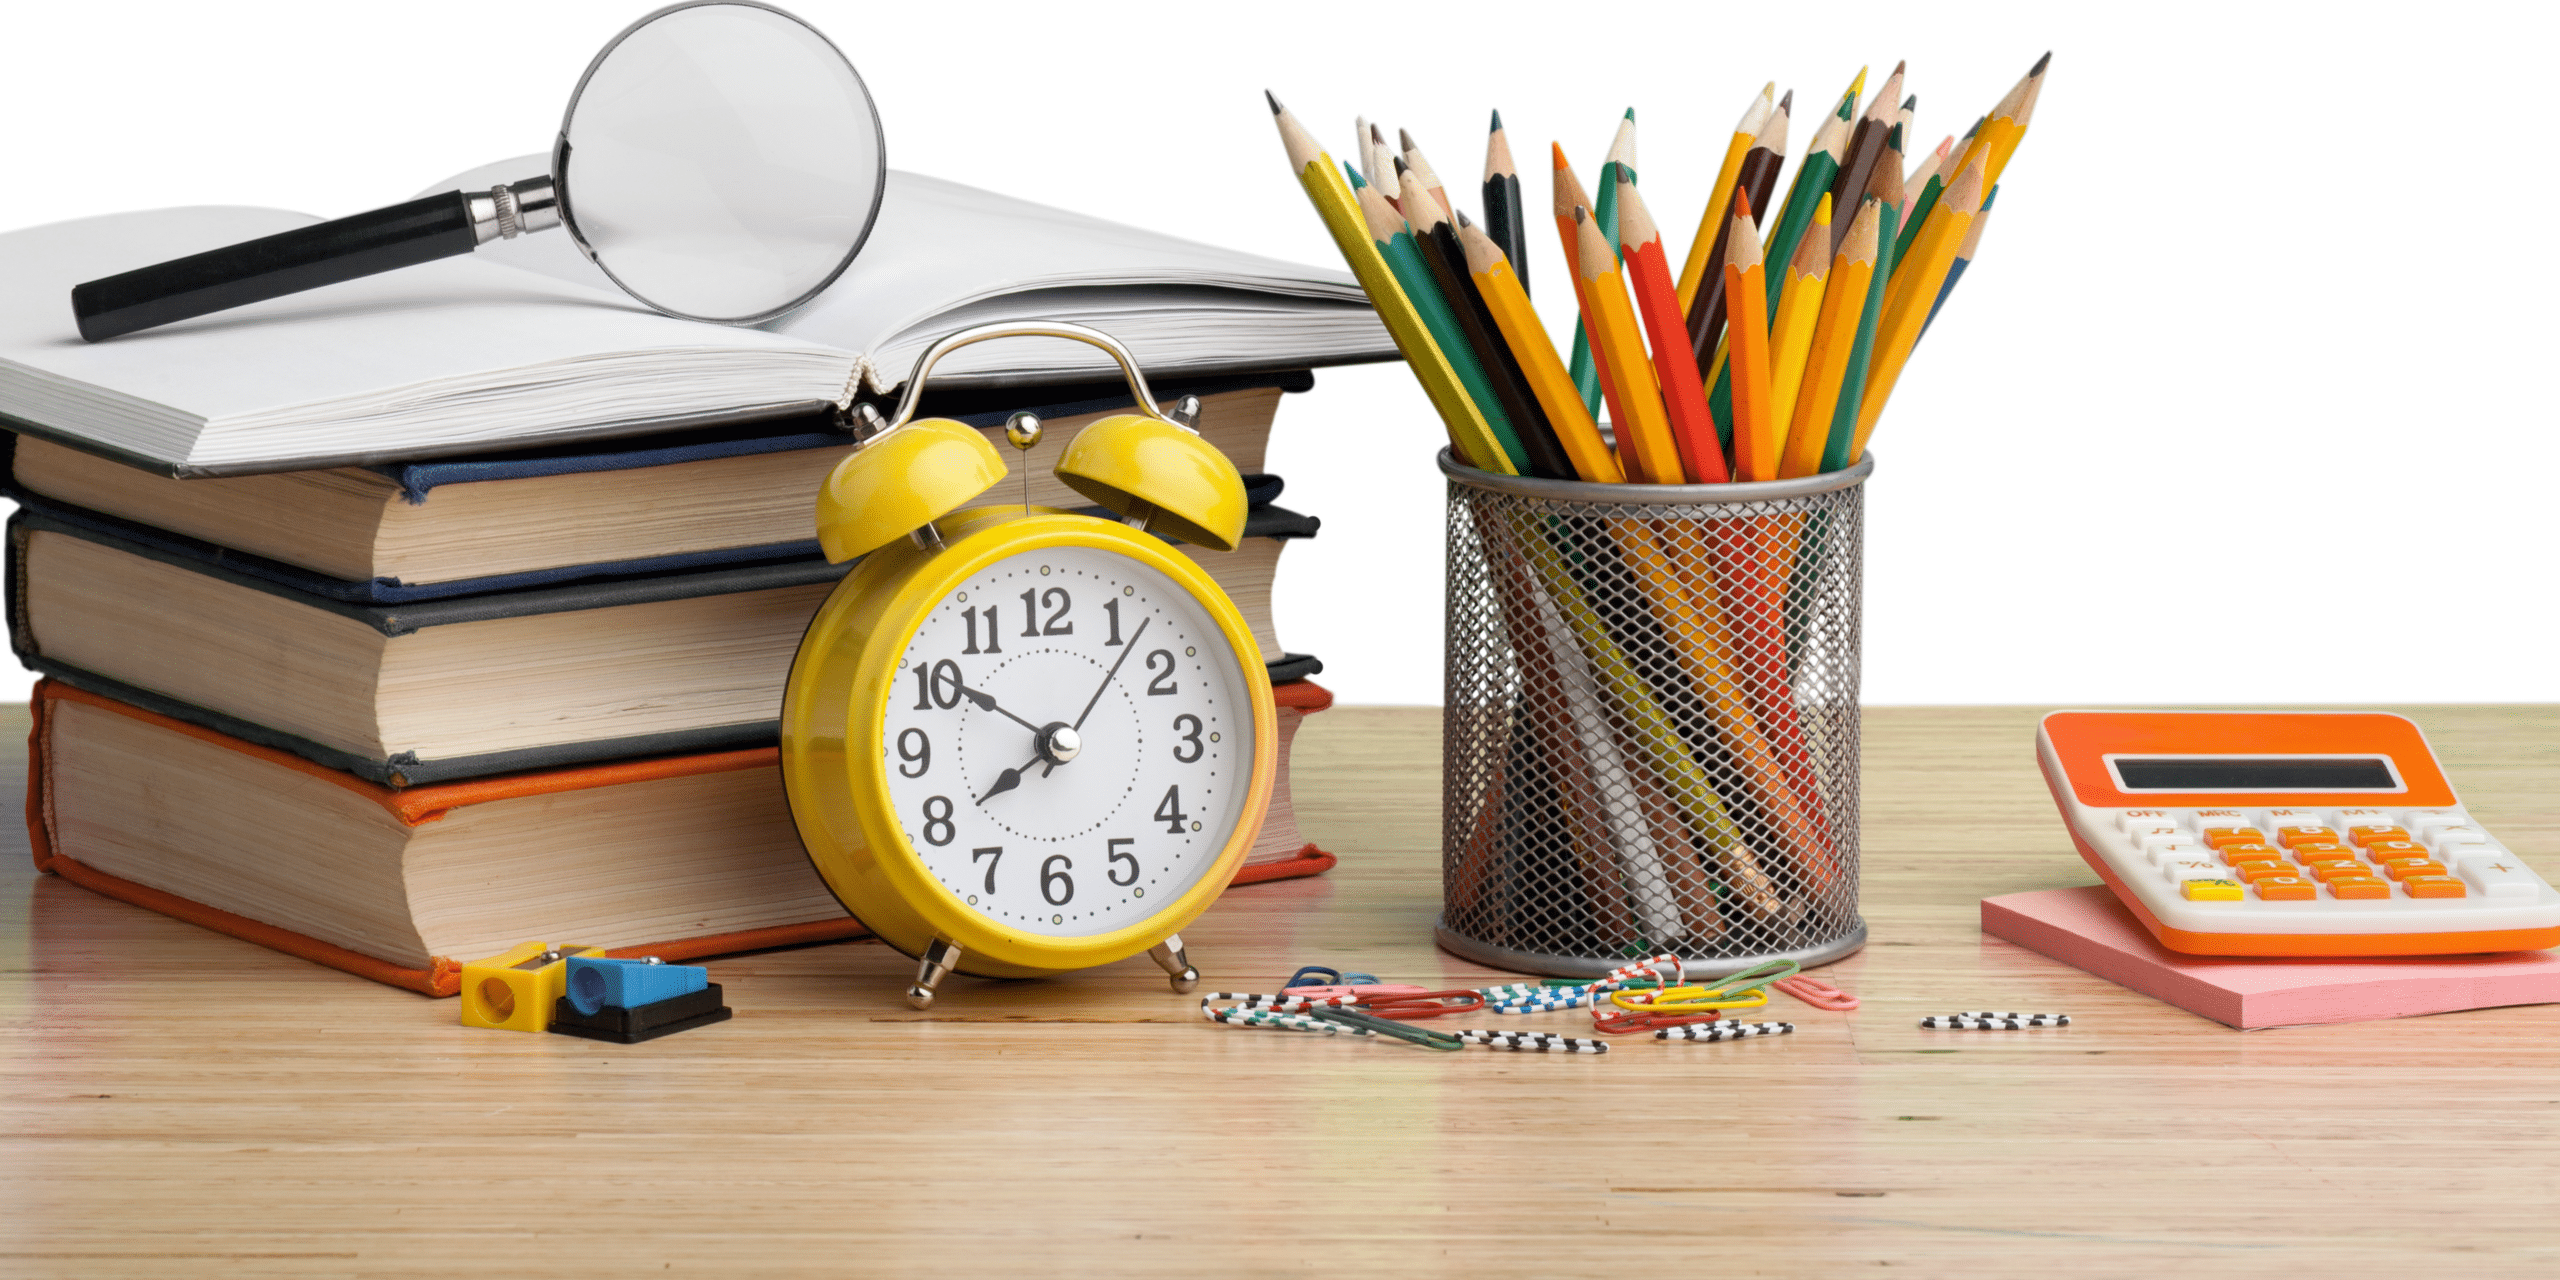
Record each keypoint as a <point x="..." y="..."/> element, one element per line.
<point x="2286" y="889"/>
<point x="2290" y="837"/>
<point x="2257" y="872"/>
<point x="2448" y="839"/>
<point x="2215" y="890"/>
<point x="2433" y="887"/>
<point x="2380" y="849"/>
<point x="2250" y="853"/>
<point x="2312" y="852"/>
<point x="2421" y="819"/>
<point x="2220" y="836"/>
<point x="2404" y="868"/>
<point x="2135" y="819"/>
<point x="2147" y="837"/>
<point x="2369" y="834"/>
<point x="2367" y="818"/>
<point x="2358" y="887"/>
<point x="2181" y="870"/>
<point x="2333" y="872"/>
<point x="2160" y="855"/>
<point x="2502" y="878"/>
<point x="2339" y="859"/>
<point x="2292" y="818"/>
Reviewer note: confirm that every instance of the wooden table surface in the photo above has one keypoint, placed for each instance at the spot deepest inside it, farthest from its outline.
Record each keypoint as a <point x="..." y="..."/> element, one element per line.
<point x="173" y="1102"/>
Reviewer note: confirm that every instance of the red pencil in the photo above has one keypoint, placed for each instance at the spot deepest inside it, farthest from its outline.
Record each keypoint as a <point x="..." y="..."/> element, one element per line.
<point x="1693" y="429"/>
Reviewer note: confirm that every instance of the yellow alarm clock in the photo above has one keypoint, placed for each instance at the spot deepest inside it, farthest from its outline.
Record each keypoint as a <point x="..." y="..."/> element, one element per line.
<point x="1022" y="741"/>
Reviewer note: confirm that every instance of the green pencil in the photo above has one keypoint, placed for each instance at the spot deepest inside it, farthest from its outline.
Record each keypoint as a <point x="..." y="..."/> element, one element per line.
<point x="1395" y="244"/>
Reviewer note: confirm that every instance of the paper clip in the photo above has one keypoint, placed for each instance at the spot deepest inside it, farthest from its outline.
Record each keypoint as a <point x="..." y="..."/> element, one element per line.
<point x="1363" y="991"/>
<point x="1619" y="1024"/>
<point x="1814" y="991"/>
<point x="1357" y="1020"/>
<point x="1688" y="999"/>
<point x="1419" y="1003"/>
<point x="1334" y="977"/>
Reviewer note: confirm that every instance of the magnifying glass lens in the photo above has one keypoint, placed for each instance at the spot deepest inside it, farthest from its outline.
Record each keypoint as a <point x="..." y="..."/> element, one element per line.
<point x="723" y="162"/>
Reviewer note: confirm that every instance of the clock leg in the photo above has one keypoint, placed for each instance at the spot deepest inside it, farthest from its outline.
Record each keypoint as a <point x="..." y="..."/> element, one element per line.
<point x="940" y="958"/>
<point x="1170" y="957"/>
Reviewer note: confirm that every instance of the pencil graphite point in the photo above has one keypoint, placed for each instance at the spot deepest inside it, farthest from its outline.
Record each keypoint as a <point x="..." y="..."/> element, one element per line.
<point x="1497" y="121"/>
<point x="1274" y="100"/>
<point x="1404" y="140"/>
<point x="1911" y="103"/>
<point x="2038" y="69"/>
<point x="1788" y="103"/>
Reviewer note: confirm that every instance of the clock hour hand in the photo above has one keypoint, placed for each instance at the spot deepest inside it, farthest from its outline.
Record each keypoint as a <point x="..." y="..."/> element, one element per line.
<point x="1007" y="781"/>
<point x="1113" y="673"/>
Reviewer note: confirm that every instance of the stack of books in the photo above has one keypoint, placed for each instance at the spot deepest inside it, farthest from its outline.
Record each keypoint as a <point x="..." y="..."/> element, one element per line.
<point x="397" y="623"/>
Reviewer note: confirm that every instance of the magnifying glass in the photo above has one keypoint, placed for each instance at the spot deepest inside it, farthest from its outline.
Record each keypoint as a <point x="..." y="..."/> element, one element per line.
<point x="720" y="160"/>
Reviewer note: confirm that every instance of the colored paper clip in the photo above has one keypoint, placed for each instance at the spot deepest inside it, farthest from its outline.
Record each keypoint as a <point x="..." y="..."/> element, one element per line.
<point x="1332" y="977"/>
<point x="1359" y="1021"/>
<point x="1363" y="991"/>
<point x="1421" y="1004"/>
<point x="1619" y="1024"/>
<point x="1814" y="991"/>
<point x="1688" y="999"/>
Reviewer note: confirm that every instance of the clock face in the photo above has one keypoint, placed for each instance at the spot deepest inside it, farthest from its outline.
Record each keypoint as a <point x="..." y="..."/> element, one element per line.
<point x="1069" y="744"/>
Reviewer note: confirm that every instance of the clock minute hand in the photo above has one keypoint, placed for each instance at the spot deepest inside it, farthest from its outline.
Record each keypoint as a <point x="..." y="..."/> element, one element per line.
<point x="1112" y="674"/>
<point x="987" y="702"/>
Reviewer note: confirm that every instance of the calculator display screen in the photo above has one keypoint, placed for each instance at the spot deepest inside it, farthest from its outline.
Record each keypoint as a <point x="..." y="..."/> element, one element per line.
<point x="2262" y="773"/>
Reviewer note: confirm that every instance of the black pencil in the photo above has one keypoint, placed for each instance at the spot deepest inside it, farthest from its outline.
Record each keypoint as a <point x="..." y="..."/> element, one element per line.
<point x="1503" y="222"/>
<point x="1438" y="240"/>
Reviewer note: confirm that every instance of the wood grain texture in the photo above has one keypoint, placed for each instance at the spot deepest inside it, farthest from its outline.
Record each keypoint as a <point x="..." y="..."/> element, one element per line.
<point x="178" y="1103"/>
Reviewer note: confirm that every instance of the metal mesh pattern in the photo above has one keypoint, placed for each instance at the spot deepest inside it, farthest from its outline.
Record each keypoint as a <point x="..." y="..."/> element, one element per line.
<point x="1651" y="735"/>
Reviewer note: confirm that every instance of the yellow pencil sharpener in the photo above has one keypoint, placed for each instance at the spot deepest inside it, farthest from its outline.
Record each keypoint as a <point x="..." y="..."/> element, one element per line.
<point x="517" y="991"/>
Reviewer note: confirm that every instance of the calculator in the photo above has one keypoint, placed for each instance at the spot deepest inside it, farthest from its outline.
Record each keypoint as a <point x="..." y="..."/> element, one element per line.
<point x="2231" y="833"/>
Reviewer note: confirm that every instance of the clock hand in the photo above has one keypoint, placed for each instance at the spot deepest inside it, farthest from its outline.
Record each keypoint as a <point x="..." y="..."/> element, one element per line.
<point x="1112" y="674"/>
<point x="1007" y="780"/>
<point x="987" y="702"/>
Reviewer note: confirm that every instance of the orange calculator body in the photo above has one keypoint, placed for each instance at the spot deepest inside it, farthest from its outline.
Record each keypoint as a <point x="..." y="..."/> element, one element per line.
<point x="2232" y="833"/>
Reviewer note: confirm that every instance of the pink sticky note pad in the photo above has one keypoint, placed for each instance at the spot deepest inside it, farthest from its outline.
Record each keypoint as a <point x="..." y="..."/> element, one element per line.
<point x="2087" y="928"/>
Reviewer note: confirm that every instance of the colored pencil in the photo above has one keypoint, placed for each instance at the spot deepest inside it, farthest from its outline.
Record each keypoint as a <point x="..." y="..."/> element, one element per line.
<point x="1866" y="145"/>
<point x="1436" y="239"/>
<point x="1915" y="290"/>
<point x="1569" y="195"/>
<point x="1835" y="333"/>
<point x="1621" y="157"/>
<point x="1908" y="115"/>
<point x="1843" y="431"/>
<point x="1755" y="451"/>
<point x="1752" y="185"/>
<point x="1394" y="238"/>
<point x="1648" y="268"/>
<point x="1719" y="197"/>
<point x="1791" y="327"/>
<point x="1498" y="283"/>
<point x="1645" y="446"/>
<point x="1929" y="165"/>
<point x="1505" y="217"/>
<point x="1964" y="258"/>
<point x="1421" y="169"/>
<point x="1845" y="113"/>
<point x="2007" y="124"/>
<point x="1469" y="434"/>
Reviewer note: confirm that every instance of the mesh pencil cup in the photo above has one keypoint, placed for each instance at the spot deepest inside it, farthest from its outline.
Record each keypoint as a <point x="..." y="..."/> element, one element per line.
<point x="1651" y="732"/>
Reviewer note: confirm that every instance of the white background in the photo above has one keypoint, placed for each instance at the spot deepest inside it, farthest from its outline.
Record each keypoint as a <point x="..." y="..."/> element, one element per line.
<point x="2245" y="400"/>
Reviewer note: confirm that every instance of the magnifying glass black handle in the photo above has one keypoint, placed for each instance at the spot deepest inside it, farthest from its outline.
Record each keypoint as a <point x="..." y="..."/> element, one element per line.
<point x="236" y="275"/>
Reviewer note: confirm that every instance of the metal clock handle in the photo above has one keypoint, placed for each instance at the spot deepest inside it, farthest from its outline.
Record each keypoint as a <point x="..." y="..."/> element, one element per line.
<point x="914" y="392"/>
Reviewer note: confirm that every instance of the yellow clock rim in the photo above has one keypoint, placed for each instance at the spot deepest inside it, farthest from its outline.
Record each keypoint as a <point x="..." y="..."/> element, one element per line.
<point x="885" y="885"/>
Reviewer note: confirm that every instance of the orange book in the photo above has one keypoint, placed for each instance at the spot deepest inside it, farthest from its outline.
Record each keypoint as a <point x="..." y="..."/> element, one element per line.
<point x="1282" y="851"/>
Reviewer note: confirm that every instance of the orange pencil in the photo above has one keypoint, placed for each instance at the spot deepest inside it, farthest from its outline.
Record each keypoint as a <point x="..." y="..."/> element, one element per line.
<point x="1835" y="336"/>
<point x="1626" y="376"/>
<point x="1693" y="431"/>
<point x="1500" y="288"/>
<point x="1746" y="288"/>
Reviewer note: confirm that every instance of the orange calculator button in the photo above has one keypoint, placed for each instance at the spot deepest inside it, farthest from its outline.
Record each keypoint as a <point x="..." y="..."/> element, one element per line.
<point x="2367" y="835"/>
<point x="2360" y="887"/>
<point x="2286" y="889"/>
<point x="2307" y="852"/>
<point x="2220" y="836"/>
<point x="2212" y="890"/>
<point x="2405" y="868"/>
<point x="2330" y="860"/>
<point x="2380" y="849"/>
<point x="2332" y="872"/>
<point x="2244" y="852"/>
<point x="2296" y="837"/>
<point x="2254" y="872"/>
<point x="2438" y="886"/>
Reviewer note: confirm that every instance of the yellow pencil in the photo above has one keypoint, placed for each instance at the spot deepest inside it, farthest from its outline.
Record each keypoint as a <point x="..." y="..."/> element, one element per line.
<point x="1746" y="300"/>
<point x="1626" y="373"/>
<point x="1835" y="334"/>
<point x="1527" y="337"/>
<point x="1468" y="432"/>
<point x="2007" y="126"/>
<point x="1694" y="268"/>
<point x="1791" y="330"/>
<point x="1913" y="291"/>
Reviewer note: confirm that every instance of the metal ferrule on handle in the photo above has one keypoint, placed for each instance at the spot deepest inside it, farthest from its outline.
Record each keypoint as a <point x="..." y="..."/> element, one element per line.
<point x="908" y="399"/>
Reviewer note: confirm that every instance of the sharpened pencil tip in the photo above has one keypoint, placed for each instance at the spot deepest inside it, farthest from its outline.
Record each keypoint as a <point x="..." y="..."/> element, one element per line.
<point x="1402" y="169"/>
<point x="2038" y="69"/>
<point x="1558" y="148"/>
<point x="1788" y="103"/>
<point x="1497" y="121"/>
<point x="1911" y="103"/>
<point x="1462" y="219"/>
<point x="1274" y="100"/>
<point x="1741" y="203"/>
<point x="1900" y="67"/>
<point x="1580" y="215"/>
<point x="1404" y="140"/>
<point x="1631" y="115"/>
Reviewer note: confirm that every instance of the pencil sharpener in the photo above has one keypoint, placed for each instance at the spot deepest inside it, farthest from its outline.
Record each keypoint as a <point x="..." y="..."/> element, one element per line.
<point x="515" y="991"/>
<point x="596" y="982"/>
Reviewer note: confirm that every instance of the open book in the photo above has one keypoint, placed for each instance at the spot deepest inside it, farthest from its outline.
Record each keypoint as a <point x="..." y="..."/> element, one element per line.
<point x="526" y="343"/>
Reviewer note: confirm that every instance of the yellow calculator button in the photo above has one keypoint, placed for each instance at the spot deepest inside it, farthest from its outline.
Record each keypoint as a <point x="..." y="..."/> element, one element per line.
<point x="2296" y="837"/>
<point x="2220" y="836"/>
<point x="2360" y="887"/>
<point x="2213" y="890"/>
<point x="2286" y="889"/>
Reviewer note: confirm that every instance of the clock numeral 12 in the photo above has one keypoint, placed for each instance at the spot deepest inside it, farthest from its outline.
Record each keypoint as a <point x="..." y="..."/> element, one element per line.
<point x="1058" y="601"/>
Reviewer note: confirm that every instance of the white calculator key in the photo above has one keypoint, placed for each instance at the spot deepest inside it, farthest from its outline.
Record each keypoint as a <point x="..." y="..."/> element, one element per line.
<point x="2223" y="818"/>
<point x="2181" y="870"/>
<point x="2274" y="818"/>
<point x="2368" y="818"/>
<point x="2502" y="878"/>
<point x="2163" y="854"/>
<point x="2421" y="819"/>
<point x="2464" y="857"/>
<point x="2132" y="819"/>
<point x="2145" y="837"/>
<point x="2447" y="839"/>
